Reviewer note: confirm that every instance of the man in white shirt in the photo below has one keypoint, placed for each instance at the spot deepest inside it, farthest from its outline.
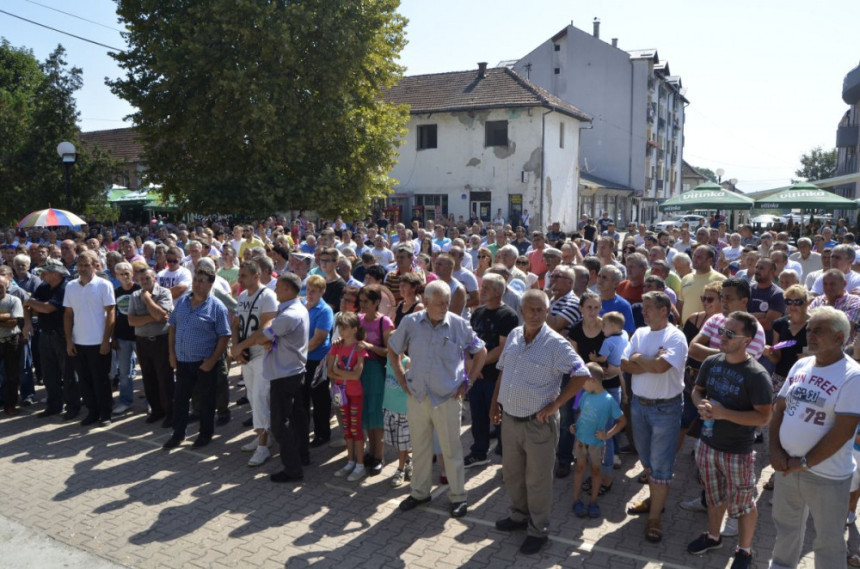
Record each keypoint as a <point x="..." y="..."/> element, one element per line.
<point x="88" y="323"/>
<point x="808" y="260"/>
<point x="656" y="356"/>
<point x="175" y="277"/>
<point x="811" y="434"/>
<point x="842" y="258"/>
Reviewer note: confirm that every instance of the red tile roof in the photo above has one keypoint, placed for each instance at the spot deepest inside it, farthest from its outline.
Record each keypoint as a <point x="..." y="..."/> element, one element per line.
<point x="500" y="88"/>
<point x="121" y="143"/>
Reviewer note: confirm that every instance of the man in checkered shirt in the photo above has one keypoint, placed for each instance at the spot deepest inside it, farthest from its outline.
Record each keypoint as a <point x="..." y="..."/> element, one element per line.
<point x="526" y="402"/>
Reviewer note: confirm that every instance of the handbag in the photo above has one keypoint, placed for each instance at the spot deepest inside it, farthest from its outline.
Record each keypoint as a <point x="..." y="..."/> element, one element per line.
<point x="320" y="375"/>
<point x="338" y="391"/>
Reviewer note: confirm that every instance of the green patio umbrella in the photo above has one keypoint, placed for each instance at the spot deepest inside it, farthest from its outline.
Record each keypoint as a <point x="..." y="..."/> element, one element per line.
<point x="805" y="196"/>
<point x="707" y="196"/>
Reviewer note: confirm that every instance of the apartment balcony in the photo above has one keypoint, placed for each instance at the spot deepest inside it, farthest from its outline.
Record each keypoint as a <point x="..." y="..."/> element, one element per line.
<point x="851" y="87"/>
<point x="847" y="136"/>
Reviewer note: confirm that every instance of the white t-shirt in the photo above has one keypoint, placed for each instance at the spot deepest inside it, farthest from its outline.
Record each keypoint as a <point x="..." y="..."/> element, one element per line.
<point x="648" y="342"/>
<point x="852" y="282"/>
<point x="383" y="256"/>
<point x="88" y="302"/>
<point x="170" y="279"/>
<point x="249" y="319"/>
<point x="813" y="397"/>
<point x="732" y="253"/>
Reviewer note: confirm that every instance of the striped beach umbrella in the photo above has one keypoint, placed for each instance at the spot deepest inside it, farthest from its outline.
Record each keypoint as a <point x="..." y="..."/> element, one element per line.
<point x="51" y="218"/>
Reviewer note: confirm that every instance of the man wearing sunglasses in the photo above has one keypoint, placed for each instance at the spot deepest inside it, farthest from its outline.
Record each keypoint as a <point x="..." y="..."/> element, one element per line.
<point x="733" y="394"/>
<point x="175" y="277"/>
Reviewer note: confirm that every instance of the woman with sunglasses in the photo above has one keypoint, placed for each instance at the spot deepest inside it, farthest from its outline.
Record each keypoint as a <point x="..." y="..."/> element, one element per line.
<point x="711" y="303"/>
<point x="485" y="262"/>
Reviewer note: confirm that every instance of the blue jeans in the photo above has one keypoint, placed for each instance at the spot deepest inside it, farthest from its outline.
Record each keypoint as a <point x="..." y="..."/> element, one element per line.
<point x="656" y="430"/>
<point x="126" y="360"/>
<point x="564" y="450"/>
<point x="480" y="398"/>
<point x="609" y="452"/>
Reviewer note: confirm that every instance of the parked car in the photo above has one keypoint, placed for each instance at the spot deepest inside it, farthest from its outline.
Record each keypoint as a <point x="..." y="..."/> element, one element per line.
<point x="693" y="220"/>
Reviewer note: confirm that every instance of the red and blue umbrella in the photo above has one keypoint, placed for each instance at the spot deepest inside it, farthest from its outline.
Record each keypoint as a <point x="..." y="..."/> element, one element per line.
<point x="51" y="218"/>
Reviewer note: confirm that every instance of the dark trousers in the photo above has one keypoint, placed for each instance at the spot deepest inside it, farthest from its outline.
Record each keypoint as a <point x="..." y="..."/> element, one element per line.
<point x="93" y="369"/>
<point x="480" y="400"/>
<point x="564" y="450"/>
<point x="290" y="422"/>
<point x="191" y="379"/>
<point x="222" y="390"/>
<point x="320" y="396"/>
<point x="58" y="373"/>
<point x="9" y="356"/>
<point x="154" y="359"/>
<point x="36" y="346"/>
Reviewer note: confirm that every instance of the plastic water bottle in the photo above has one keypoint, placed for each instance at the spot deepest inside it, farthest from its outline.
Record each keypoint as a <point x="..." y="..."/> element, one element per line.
<point x="708" y="428"/>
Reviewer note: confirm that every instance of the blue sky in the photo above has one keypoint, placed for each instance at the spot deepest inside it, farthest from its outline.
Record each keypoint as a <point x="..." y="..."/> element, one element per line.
<point x="764" y="78"/>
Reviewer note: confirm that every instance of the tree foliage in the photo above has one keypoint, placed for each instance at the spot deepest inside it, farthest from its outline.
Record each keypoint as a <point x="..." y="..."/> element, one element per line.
<point x="817" y="164"/>
<point x="37" y="112"/>
<point x="251" y="106"/>
<point x="707" y="173"/>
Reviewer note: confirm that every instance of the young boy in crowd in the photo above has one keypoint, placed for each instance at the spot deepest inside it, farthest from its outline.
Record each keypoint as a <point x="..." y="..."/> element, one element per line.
<point x="396" y="425"/>
<point x="596" y="408"/>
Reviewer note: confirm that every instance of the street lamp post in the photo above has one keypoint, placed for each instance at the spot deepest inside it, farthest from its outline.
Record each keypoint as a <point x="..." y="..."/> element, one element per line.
<point x="67" y="152"/>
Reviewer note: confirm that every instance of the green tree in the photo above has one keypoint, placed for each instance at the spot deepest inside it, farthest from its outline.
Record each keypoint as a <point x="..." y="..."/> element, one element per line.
<point x="251" y="106"/>
<point x="817" y="164"/>
<point x="707" y="173"/>
<point x="37" y="112"/>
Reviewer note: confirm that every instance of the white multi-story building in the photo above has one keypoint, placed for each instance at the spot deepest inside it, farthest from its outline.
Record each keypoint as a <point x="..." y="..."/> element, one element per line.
<point x="631" y="158"/>
<point x="486" y="141"/>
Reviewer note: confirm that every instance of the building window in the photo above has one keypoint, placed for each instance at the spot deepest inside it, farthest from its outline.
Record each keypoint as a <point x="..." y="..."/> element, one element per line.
<point x="426" y="136"/>
<point x="561" y="135"/>
<point x="431" y="206"/>
<point x="496" y="133"/>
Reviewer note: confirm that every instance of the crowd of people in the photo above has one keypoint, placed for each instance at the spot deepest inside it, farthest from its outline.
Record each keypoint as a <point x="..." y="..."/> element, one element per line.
<point x="571" y="349"/>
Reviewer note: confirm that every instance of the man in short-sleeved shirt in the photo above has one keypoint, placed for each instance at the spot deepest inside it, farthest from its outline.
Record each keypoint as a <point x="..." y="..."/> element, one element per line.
<point x="526" y="402"/>
<point x="656" y="357"/>
<point x="89" y="322"/>
<point x="811" y="434"/>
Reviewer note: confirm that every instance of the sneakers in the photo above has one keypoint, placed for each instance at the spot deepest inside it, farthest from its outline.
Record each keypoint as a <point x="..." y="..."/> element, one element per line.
<point x="852" y="517"/>
<point x="743" y="560"/>
<point x="694" y="505"/>
<point x="593" y="511"/>
<point x="260" y="456"/>
<point x="616" y="462"/>
<point x="731" y="528"/>
<point x="703" y="544"/>
<point x="28" y="401"/>
<point x="121" y="408"/>
<point x="398" y="479"/>
<point x="251" y="446"/>
<point x="346" y="470"/>
<point x="357" y="474"/>
<point x="472" y="461"/>
<point x="579" y="509"/>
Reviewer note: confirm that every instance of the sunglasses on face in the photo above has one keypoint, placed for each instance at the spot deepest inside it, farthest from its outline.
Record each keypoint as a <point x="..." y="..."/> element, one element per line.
<point x="483" y="256"/>
<point x="794" y="302"/>
<point x="708" y="298"/>
<point x="729" y="334"/>
<point x="172" y="261"/>
<point x="523" y="263"/>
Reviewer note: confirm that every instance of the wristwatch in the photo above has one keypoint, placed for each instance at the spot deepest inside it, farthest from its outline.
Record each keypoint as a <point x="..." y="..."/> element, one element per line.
<point x="803" y="463"/>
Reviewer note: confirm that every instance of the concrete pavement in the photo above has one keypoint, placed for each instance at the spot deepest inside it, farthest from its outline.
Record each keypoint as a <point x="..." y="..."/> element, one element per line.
<point x="114" y="494"/>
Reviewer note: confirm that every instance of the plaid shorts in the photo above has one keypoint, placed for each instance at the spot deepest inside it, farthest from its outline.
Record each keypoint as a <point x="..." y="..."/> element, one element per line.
<point x="396" y="430"/>
<point x="728" y="478"/>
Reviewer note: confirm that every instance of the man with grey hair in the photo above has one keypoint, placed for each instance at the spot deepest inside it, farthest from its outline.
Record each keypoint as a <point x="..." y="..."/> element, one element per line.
<point x="607" y="283"/>
<point x="526" y="403"/>
<point x="439" y="375"/>
<point x="564" y="305"/>
<point x="808" y="259"/>
<point x="580" y="280"/>
<point x="507" y="255"/>
<point x="842" y="258"/>
<point x="682" y="264"/>
<point x="811" y="433"/>
<point x="835" y="295"/>
<point x="492" y="322"/>
<point x="511" y="296"/>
